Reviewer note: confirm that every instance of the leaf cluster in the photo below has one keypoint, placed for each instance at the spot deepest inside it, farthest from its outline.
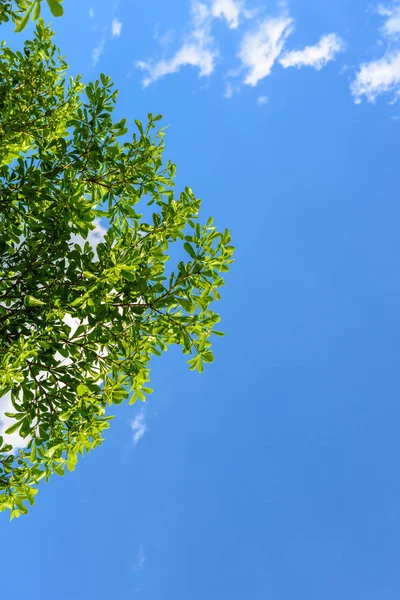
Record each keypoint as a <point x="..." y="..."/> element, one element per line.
<point x="20" y="11"/>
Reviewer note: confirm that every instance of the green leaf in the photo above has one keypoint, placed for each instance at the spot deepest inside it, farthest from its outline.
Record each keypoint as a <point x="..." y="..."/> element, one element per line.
<point x="129" y="276"/>
<point x="22" y="23"/>
<point x="189" y="249"/>
<point x="32" y="456"/>
<point x="36" y="12"/>
<point x="207" y="357"/>
<point x="51" y="451"/>
<point x="13" y="428"/>
<point x="55" y="8"/>
<point x="80" y="300"/>
<point x="72" y="460"/>
<point x="30" y="301"/>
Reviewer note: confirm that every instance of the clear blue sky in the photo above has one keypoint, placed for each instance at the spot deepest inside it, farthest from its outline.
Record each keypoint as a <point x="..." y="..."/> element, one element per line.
<point x="274" y="474"/>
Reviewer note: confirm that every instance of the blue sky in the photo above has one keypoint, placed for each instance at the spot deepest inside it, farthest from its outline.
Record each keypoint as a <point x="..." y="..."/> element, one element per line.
<point x="274" y="474"/>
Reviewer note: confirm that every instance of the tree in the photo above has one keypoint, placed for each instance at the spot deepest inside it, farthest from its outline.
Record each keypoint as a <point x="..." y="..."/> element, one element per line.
<point x="62" y="166"/>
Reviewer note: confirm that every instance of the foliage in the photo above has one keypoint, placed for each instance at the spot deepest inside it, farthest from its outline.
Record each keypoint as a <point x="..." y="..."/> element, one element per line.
<point x="21" y="11"/>
<point x="62" y="166"/>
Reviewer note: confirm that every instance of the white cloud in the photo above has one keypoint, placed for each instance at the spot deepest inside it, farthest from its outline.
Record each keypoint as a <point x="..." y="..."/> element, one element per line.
<point x="392" y="26"/>
<point x="230" y="10"/>
<point x="262" y="46"/>
<point x="139" y="427"/>
<point x="377" y="77"/>
<point x="382" y="76"/>
<point x="314" y="56"/>
<point x="98" y="51"/>
<point x="230" y="90"/>
<point x="116" y="28"/>
<point x="198" y="50"/>
<point x="14" y="439"/>
<point x="91" y="13"/>
<point x="262" y="100"/>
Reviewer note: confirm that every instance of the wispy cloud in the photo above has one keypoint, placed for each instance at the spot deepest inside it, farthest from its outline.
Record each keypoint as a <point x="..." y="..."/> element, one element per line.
<point x="316" y="56"/>
<point x="377" y="77"/>
<point x="391" y="27"/>
<point x="382" y="76"/>
<point x="116" y="27"/>
<point x="230" y="10"/>
<point x="262" y="46"/>
<point x="91" y="13"/>
<point x="262" y="100"/>
<point x="140" y="559"/>
<point x="98" y="51"/>
<point x="230" y="90"/>
<point x="198" y="50"/>
<point x="165" y="39"/>
<point x="139" y="427"/>
<point x="259" y="49"/>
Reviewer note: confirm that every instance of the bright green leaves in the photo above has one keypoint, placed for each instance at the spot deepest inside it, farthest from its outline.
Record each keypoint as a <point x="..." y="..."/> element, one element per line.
<point x="139" y="390"/>
<point x="33" y="456"/>
<point x="115" y="391"/>
<point x="29" y="119"/>
<point x="81" y="389"/>
<point x="72" y="460"/>
<point x="203" y="355"/>
<point x="80" y="322"/>
<point x="28" y="8"/>
<point x="4" y="448"/>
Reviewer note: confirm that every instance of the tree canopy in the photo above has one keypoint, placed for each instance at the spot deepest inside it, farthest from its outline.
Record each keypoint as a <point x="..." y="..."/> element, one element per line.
<point x="78" y="324"/>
